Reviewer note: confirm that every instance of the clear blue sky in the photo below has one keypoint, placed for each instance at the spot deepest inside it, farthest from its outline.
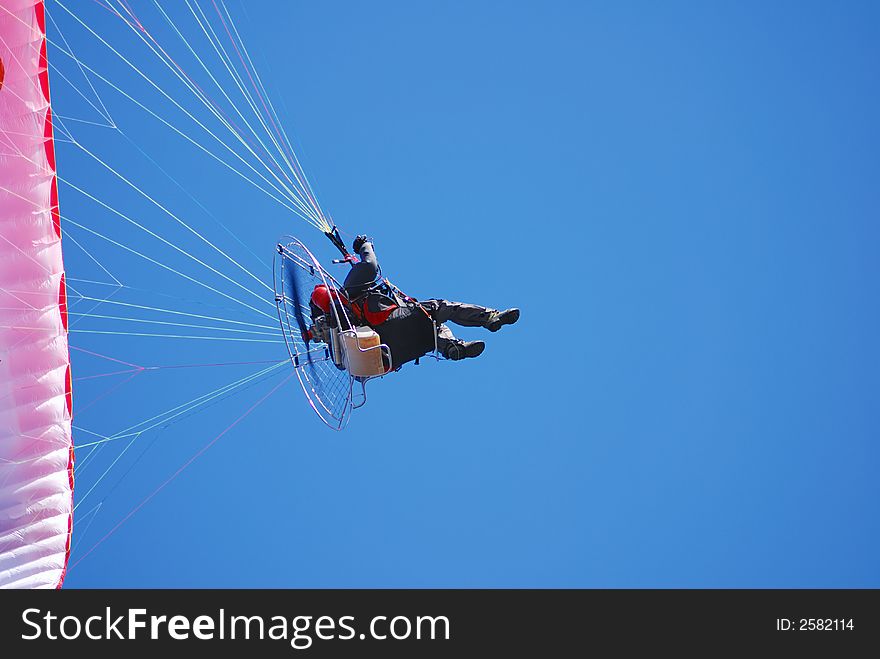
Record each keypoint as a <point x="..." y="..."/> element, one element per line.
<point x="683" y="201"/>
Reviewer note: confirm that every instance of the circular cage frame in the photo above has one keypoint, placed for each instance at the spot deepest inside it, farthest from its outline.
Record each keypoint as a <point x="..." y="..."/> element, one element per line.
<point x="328" y="388"/>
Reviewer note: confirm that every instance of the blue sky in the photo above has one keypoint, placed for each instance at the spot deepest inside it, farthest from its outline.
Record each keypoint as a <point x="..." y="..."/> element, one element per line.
<point x="681" y="199"/>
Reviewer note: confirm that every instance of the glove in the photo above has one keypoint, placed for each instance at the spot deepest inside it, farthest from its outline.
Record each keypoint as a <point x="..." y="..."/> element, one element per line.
<point x="359" y="242"/>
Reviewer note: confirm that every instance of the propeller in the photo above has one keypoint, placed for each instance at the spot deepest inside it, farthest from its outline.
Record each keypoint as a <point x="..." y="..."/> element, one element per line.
<point x="292" y="280"/>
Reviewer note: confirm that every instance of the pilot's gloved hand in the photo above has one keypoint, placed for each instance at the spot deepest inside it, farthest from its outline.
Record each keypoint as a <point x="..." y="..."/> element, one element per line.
<point x="359" y="242"/>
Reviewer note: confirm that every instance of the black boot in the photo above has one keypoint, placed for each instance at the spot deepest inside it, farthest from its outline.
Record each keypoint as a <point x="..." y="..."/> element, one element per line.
<point x="463" y="350"/>
<point x="499" y="318"/>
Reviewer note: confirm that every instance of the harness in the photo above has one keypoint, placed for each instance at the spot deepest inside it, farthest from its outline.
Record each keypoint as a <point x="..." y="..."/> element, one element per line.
<point x="382" y="286"/>
<point x="361" y="308"/>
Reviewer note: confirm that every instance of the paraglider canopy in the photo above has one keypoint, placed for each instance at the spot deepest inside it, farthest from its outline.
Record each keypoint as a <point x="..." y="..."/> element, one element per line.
<point x="36" y="449"/>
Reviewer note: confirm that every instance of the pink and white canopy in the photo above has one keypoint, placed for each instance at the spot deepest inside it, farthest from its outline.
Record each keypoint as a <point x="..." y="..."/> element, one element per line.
<point x="36" y="450"/>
